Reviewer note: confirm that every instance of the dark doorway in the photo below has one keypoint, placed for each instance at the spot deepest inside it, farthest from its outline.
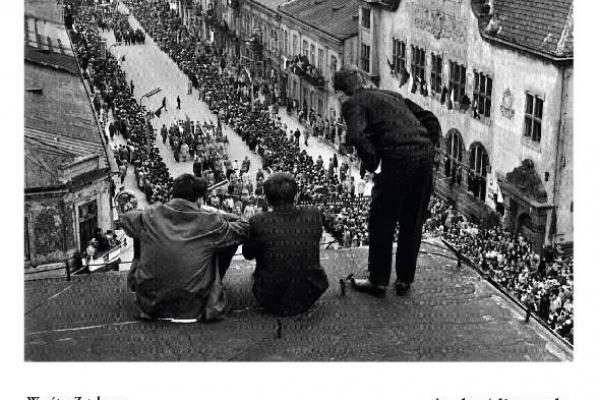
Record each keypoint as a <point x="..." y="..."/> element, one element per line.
<point x="88" y="222"/>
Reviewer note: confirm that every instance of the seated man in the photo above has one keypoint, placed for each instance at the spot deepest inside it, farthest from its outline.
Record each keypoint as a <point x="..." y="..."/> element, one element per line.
<point x="183" y="244"/>
<point x="288" y="277"/>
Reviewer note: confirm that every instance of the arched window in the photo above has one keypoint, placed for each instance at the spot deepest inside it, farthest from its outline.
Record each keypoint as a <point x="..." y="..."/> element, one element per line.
<point x="455" y="149"/>
<point x="478" y="168"/>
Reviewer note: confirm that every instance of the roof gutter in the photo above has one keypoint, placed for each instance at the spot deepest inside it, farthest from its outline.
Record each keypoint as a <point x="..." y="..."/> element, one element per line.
<point x="548" y="56"/>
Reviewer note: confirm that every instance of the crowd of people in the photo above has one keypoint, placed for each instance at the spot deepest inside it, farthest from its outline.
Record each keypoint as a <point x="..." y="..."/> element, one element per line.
<point x="114" y="95"/>
<point x="543" y="283"/>
<point x="508" y="260"/>
<point x="109" y="19"/>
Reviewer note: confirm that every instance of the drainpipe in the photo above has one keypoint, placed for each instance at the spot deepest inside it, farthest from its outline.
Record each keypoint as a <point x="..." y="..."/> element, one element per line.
<point x="549" y="239"/>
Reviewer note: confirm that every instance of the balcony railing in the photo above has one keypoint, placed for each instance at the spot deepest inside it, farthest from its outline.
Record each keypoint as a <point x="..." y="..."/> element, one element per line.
<point x="254" y="44"/>
<point x="300" y="66"/>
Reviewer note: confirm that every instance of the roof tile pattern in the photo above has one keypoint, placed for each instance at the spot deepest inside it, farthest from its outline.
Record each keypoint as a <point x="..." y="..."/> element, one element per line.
<point x="537" y="24"/>
<point x="271" y="4"/>
<point x="51" y="59"/>
<point x="335" y="17"/>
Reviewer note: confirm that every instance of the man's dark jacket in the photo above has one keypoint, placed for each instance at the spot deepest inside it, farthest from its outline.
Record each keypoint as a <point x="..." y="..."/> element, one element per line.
<point x="285" y="242"/>
<point x="383" y="126"/>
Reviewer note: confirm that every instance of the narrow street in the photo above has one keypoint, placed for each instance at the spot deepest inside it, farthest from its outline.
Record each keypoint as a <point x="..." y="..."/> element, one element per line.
<point x="150" y="68"/>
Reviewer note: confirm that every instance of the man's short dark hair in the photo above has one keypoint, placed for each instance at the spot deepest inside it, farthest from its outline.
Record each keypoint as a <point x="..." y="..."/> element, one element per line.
<point x="189" y="187"/>
<point x="280" y="188"/>
<point x="346" y="79"/>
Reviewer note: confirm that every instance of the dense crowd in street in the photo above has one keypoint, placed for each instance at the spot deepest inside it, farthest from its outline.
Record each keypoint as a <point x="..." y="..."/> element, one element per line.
<point x="543" y="283"/>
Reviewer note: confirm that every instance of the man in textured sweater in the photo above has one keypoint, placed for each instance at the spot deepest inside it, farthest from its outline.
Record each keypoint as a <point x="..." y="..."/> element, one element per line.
<point x="398" y="137"/>
<point x="288" y="278"/>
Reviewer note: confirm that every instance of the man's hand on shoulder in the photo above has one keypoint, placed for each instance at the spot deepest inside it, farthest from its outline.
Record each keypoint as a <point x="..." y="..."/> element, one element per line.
<point x="125" y="201"/>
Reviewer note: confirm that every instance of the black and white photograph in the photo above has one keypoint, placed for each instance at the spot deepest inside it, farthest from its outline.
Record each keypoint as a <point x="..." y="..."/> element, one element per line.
<point x="299" y="180"/>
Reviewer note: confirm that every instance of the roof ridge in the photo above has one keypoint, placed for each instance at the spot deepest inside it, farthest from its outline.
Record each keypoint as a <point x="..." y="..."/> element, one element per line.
<point x="59" y="149"/>
<point x="567" y="30"/>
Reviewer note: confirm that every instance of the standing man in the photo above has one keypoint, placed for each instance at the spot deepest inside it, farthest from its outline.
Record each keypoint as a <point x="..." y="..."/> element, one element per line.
<point x="178" y="103"/>
<point x="396" y="135"/>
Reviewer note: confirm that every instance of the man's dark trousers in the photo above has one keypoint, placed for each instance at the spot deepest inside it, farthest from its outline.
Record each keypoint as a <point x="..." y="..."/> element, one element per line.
<point x="223" y="258"/>
<point x="400" y="197"/>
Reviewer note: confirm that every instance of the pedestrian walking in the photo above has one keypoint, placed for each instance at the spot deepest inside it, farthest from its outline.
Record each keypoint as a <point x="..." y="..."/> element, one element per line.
<point x="178" y="103"/>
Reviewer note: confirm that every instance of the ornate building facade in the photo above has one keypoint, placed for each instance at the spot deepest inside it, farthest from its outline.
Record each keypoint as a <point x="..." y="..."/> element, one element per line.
<point x="318" y="39"/>
<point x="499" y="76"/>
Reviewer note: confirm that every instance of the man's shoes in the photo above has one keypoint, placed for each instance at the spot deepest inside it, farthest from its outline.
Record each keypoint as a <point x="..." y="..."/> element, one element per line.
<point x="402" y="288"/>
<point x="365" y="286"/>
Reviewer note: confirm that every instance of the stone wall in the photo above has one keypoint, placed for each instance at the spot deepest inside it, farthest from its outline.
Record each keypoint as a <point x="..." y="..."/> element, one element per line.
<point x="45" y="230"/>
<point x="45" y="219"/>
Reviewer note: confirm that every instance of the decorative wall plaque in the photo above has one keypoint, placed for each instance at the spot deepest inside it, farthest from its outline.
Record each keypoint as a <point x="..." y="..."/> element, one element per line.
<point x="440" y="24"/>
<point x="506" y="107"/>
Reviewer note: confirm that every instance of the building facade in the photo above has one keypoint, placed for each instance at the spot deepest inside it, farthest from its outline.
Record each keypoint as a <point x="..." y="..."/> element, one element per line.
<point x="67" y="166"/>
<point x="318" y="40"/>
<point x="499" y="76"/>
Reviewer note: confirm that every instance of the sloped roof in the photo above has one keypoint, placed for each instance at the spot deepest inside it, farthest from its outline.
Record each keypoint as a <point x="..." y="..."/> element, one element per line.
<point x="335" y="17"/>
<point x="51" y="59"/>
<point x="271" y="4"/>
<point x="68" y="145"/>
<point x="59" y="122"/>
<point x="540" y="25"/>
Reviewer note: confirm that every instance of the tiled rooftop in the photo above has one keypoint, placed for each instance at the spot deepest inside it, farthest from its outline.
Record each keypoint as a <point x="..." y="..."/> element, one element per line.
<point x="541" y="25"/>
<point x="451" y="314"/>
<point x="59" y="121"/>
<point x="52" y="59"/>
<point x="272" y="4"/>
<point x="336" y="17"/>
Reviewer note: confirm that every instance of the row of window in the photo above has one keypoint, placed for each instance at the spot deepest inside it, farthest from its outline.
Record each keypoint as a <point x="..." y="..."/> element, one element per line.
<point x="320" y="61"/>
<point x="315" y="56"/>
<point x="481" y="101"/>
<point x="478" y="166"/>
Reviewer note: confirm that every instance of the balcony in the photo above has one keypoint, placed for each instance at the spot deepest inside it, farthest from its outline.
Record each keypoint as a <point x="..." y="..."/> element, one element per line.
<point x="300" y="66"/>
<point x="254" y="44"/>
